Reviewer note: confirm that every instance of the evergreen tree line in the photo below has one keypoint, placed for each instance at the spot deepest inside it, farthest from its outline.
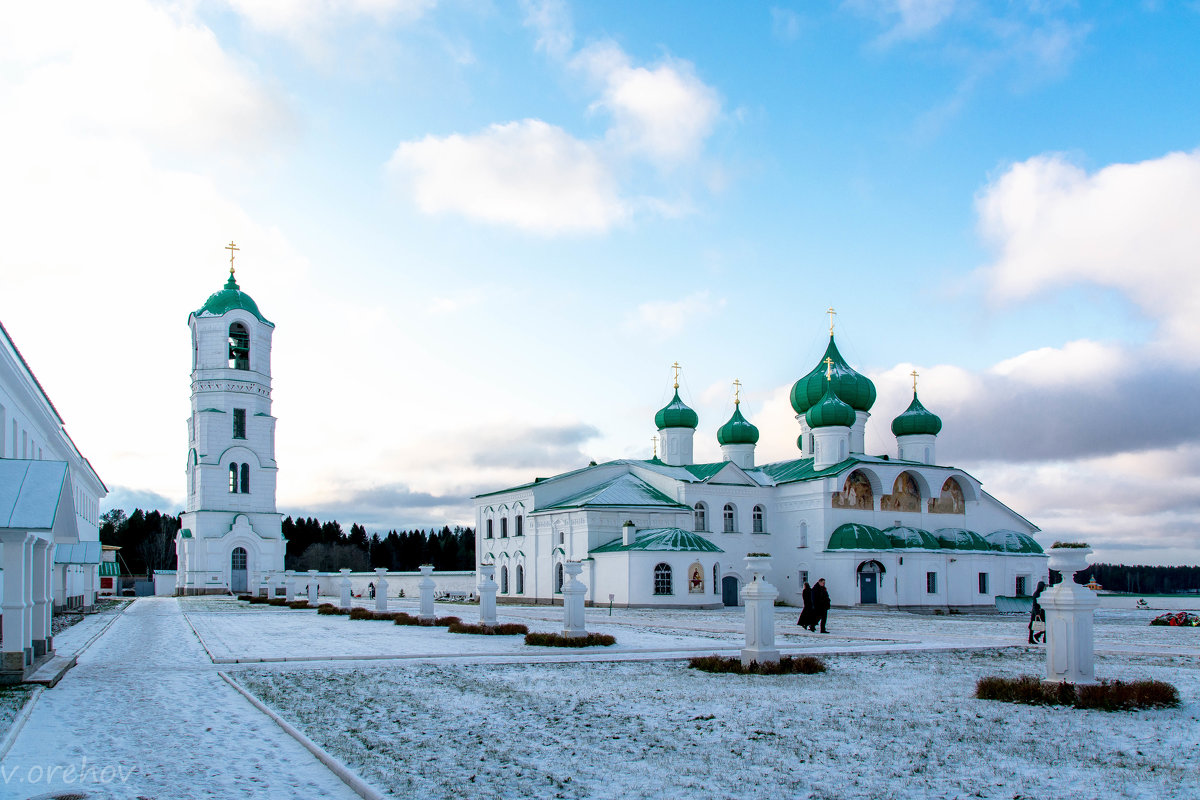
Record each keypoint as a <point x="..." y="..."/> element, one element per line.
<point x="147" y="542"/>
<point x="1141" y="579"/>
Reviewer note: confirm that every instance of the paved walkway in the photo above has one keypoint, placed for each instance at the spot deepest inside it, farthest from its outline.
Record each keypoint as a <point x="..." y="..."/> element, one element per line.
<point x="144" y="714"/>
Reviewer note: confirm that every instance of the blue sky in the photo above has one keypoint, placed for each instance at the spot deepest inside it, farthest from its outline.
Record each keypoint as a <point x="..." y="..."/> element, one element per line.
<point x="486" y="229"/>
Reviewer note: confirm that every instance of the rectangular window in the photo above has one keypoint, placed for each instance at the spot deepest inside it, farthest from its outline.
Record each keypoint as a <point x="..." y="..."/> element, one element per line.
<point x="931" y="583"/>
<point x="489" y="530"/>
<point x="1022" y="588"/>
<point x="983" y="583"/>
<point x="504" y="527"/>
<point x="803" y="577"/>
<point x="239" y="423"/>
<point x="520" y="525"/>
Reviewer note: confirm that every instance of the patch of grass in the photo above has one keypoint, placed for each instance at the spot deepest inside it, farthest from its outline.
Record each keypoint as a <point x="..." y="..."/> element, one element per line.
<point x="558" y="640"/>
<point x="1105" y="695"/>
<point x="507" y="629"/>
<point x="787" y="665"/>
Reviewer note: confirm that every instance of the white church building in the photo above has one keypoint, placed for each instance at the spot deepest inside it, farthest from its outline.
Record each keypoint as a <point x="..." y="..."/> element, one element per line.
<point x="49" y="518"/>
<point x="231" y="538"/>
<point x="897" y="531"/>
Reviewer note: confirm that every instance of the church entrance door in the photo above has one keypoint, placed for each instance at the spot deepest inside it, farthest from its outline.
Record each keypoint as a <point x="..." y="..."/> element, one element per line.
<point x="729" y="590"/>
<point x="866" y="588"/>
<point x="238" y="582"/>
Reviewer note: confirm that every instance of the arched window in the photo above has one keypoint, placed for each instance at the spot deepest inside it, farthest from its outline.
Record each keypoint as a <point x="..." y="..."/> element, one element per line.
<point x="237" y="559"/>
<point x="245" y="479"/>
<point x="558" y="578"/>
<point x="239" y="347"/>
<point x="701" y="517"/>
<point x="488" y="535"/>
<point x="729" y="516"/>
<point x="233" y="478"/>
<point x="757" y="518"/>
<point x="520" y="525"/>
<point x="504" y="527"/>
<point x="716" y="572"/>
<point x="504" y="580"/>
<point x="662" y="579"/>
<point x="520" y="579"/>
<point x="803" y="534"/>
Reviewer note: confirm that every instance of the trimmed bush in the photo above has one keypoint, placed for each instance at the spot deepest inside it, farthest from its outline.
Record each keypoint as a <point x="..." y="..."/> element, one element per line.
<point x="330" y="608"/>
<point x="507" y="629"/>
<point x="447" y="621"/>
<point x="361" y="613"/>
<point x="1105" y="696"/>
<point x="278" y="601"/>
<point x="787" y="665"/>
<point x="258" y="598"/>
<point x="244" y="597"/>
<point x="299" y="604"/>
<point x="558" y="640"/>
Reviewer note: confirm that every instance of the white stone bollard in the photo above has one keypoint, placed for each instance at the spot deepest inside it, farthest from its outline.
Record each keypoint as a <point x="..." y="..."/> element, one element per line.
<point x="381" y="589"/>
<point x="1070" y="655"/>
<point x="426" y="586"/>
<point x="759" y="597"/>
<point x="313" y="586"/>
<point x="289" y="581"/>
<point x="344" y="585"/>
<point x="487" y="594"/>
<point x="573" y="592"/>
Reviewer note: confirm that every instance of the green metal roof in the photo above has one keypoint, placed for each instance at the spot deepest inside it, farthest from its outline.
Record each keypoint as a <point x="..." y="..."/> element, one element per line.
<point x="624" y="490"/>
<point x="110" y="569"/>
<point x="738" y="430"/>
<point x="855" y="536"/>
<point x="662" y="539"/>
<point x="227" y="300"/>
<point x="676" y="414"/>
<point x="906" y="538"/>
<point x="705" y="471"/>
<point x="916" y="420"/>
<point x="961" y="539"/>
<point x="830" y="411"/>
<point x="1013" y="542"/>
<point x="851" y="387"/>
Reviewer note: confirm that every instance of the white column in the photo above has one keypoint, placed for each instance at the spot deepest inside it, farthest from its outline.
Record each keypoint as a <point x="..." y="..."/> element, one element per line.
<point x="42" y="564"/>
<point x="426" y="586"/>
<point x="1070" y="655"/>
<point x="313" y="584"/>
<point x="573" y="594"/>
<point x="16" y="634"/>
<point x="289" y="582"/>
<point x="381" y="589"/>
<point x="29" y="599"/>
<point x="487" y="594"/>
<point x="344" y="586"/>
<point x="759" y="597"/>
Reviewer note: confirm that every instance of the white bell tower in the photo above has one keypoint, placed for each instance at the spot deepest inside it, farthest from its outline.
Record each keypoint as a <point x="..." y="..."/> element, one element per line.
<point x="231" y="538"/>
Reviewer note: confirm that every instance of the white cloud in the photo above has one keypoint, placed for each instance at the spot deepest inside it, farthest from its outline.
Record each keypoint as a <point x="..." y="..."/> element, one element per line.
<point x="660" y="112"/>
<point x="785" y="24"/>
<point x="528" y="174"/>
<point x="666" y="318"/>
<point x="910" y="19"/>
<point x="552" y="21"/>
<point x="302" y="20"/>
<point x="1131" y="227"/>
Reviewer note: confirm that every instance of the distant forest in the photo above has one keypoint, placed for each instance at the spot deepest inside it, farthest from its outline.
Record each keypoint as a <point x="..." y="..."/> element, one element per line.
<point x="147" y="542"/>
<point x="1140" y="579"/>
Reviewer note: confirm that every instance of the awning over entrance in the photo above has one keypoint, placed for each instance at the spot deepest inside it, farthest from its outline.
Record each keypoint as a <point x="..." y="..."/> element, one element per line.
<point x="30" y="492"/>
<point x="78" y="553"/>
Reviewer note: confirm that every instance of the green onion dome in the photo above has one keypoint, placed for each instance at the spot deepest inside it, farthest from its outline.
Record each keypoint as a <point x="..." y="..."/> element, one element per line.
<point x="228" y="299"/>
<point x="851" y="387"/>
<point x="676" y="414"/>
<point x="916" y="419"/>
<point x="738" y="430"/>
<point x="830" y="411"/>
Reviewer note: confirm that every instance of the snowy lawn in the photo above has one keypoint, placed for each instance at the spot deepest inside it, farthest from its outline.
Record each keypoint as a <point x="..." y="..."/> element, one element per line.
<point x="901" y="725"/>
<point x="12" y="699"/>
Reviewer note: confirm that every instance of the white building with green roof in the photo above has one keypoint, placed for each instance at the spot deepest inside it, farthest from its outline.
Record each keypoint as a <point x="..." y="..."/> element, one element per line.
<point x="893" y="530"/>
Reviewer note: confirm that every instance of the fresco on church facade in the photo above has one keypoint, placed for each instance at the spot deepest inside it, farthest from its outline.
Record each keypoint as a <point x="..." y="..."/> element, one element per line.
<point x="951" y="501"/>
<point x="696" y="579"/>
<point x="904" y="497"/>
<point x="855" y="493"/>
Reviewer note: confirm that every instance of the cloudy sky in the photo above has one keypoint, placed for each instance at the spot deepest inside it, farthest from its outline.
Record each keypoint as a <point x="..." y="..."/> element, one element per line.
<point x="486" y="228"/>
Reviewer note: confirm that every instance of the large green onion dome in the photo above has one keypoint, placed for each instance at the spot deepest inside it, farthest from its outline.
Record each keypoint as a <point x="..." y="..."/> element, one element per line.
<point x="228" y="299"/>
<point x="852" y="388"/>
<point x="676" y="414"/>
<point x="738" y="430"/>
<point x="916" y="419"/>
<point x="830" y="411"/>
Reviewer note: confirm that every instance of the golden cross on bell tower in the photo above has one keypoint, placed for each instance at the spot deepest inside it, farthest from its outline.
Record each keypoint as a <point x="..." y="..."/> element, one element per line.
<point x="737" y="391"/>
<point x="232" y="248"/>
<point x="675" y="367"/>
<point x="830" y="312"/>
<point x="828" y="369"/>
<point x="914" y="377"/>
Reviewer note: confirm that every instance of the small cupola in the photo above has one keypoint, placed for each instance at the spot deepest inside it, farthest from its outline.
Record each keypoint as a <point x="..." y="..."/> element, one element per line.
<point x="676" y="425"/>
<point x="916" y="430"/>
<point x="830" y="420"/>
<point x="738" y="436"/>
<point x="852" y="388"/>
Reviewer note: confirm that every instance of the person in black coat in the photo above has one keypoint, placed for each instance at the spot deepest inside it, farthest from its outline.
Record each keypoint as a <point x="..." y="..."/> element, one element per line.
<point x="806" y="614"/>
<point x="820" y="605"/>
<point x="1037" y="614"/>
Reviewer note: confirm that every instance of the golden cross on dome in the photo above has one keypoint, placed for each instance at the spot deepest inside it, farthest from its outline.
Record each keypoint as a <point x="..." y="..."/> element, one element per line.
<point x="737" y="391"/>
<point x="232" y="248"/>
<point x="914" y="374"/>
<point x="675" y="367"/>
<point x="830" y="312"/>
<point x="828" y="368"/>
<point x="654" y="439"/>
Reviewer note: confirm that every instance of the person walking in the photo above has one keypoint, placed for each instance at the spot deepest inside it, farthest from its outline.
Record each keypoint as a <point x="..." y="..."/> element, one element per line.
<point x="820" y="605"/>
<point x="1037" y="617"/>
<point x="806" y="613"/>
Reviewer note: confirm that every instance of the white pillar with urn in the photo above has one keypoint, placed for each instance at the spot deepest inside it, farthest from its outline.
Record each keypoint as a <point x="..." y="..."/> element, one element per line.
<point x="759" y="597"/>
<point x="381" y="589"/>
<point x="573" y="592"/>
<point x="487" y="594"/>
<point x="1070" y="654"/>
<point x="344" y="586"/>
<point x="426" y="587"/>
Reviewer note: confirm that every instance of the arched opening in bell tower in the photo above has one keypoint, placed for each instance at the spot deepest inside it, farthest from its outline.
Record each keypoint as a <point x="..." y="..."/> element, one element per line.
<point x="239" y="346"/>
